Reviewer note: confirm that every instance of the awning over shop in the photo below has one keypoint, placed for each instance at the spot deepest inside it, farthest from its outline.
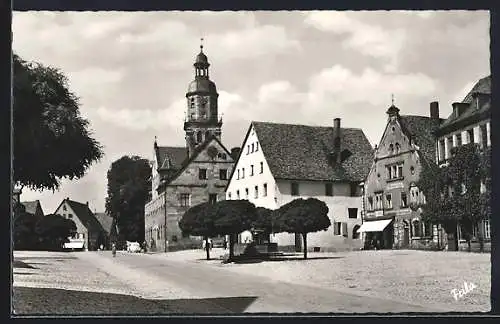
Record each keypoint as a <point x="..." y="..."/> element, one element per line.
<point x="74" y="245"/>
<point x="374" y="226"/>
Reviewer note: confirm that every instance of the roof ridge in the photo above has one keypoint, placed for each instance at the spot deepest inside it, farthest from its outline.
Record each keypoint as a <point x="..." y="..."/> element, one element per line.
<point x="303" y="125"/>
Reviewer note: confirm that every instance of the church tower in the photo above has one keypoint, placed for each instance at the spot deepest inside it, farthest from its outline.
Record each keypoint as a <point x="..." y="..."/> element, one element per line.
<point x="202" y="118"/>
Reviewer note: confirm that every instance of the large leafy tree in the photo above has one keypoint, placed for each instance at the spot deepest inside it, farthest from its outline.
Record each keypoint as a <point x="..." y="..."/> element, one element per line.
<point x="24" y="229"/>
<point x="233" y="217"/>
<point x="52" y="140"/>
<point x="199" y="221"/>
<point x="53" y="231"/>
<point x="453" y="194"/>
<point x="129" y="183"/>
<point x="304" y="216"/>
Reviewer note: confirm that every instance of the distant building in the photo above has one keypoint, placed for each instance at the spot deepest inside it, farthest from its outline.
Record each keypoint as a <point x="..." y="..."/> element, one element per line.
<point x="281" y="162"/>
<point x="469" y="122"/>
<point x="33" y="208"/>
<point x="108" y="224"/>
<point x="390" y="188"/>
<point x="186" y="176"/>
<point x="89" y="232"/>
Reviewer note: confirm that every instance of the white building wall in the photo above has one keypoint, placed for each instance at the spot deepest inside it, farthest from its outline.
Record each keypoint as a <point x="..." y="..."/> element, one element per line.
<point x="248" y="158"/>
<point x="338" y="205"/>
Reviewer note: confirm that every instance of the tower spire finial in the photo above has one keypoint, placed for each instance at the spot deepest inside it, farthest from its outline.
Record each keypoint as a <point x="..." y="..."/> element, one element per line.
<point x="392" y="98"/>
<point x="201" y="44"/>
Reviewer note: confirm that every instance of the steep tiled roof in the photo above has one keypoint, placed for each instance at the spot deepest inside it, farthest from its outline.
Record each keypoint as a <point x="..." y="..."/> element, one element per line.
<point x="105" y="220"/>
<point x="31" y="206"/>
<point x="85" y="215"/>
<point x="302" y="152"/>
<point x="173" y="156"/>
<point x="421" y="129"/>
<point x="482" y="86"/>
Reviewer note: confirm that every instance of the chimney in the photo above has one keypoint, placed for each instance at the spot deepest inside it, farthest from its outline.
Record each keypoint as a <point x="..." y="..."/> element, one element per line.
<point x="459" y="108"/>
<point x="87" y="203"/>
<point x="235" y="151"/>
<point x="434" y="110"/>
<point x="336" y="140"/>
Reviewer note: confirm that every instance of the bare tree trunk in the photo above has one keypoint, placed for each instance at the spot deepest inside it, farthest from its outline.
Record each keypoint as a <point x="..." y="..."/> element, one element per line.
<point x="207" y="249"/>
<point x="304" y="236"/>
<point x="231" y="247"/>
<point x="481" y="236"/>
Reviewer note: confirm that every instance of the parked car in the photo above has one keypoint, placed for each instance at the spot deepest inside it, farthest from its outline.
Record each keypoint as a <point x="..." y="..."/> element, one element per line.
<point x="133" y="247"/>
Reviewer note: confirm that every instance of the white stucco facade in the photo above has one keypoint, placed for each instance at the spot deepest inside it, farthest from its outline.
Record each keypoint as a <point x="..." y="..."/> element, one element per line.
<point x="266" y="191"/>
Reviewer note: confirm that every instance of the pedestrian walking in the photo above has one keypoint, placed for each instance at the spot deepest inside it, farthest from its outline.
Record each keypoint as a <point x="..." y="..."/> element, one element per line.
<point x="113" y="249"/>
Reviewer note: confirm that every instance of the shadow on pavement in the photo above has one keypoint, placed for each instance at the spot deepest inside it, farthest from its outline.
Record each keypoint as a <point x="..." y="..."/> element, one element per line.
<point x="302" y="258"/>
<point x="48" y="301"/>
<point x="22" y="265"/>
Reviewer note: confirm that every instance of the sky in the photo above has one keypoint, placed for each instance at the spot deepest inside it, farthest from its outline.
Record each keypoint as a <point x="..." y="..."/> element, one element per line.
<point x="131" y="71"/>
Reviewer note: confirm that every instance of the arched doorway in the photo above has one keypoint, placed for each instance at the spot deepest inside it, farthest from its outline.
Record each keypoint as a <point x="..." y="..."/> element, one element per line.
<point x="355" y="233"/>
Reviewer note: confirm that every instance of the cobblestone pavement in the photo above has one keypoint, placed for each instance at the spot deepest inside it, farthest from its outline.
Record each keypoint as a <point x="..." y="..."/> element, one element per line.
<point x="169" y="276"/>
<point x="405" y="275"/>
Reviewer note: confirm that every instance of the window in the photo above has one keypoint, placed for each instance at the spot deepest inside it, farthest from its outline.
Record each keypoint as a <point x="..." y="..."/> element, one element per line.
<point x="394" y="171"/>
<point x="184" y="199"/>
<point x="337" y="228"/>
<point x="202" y="174"/>
<point x="237" y="194"/>
<point x="353" y="212"/>
<point x="388" y="201"/>
<point x="265" y="189"/>
<point x="199" y="137"/>
<point x="223" y="174"/>
<point x="242" y="173"/>
<point x="251" y="170"/>
<point x="174" y="238"/>
<point x="256" y="192"/>
<point x="370" y="203"/>
<point x="378" y="201"/>
<point x="417" y="231"/>
<point x="64" y="207"/>
<point x="398" y="147"/>
<point x="212" y="198"/>
<point x="295" y="188"/>
<point x="248" y="149"/>
<point x="441" y="150"/>
<point x="344" y="230"/>
<point x="414" y="194"/>
<point x="400" y="171"/>
<point x="238" y="174"/>
<point x="229" y="196"/>
<point x="328" y="189"/>
<point x="222" y="156"/>
<point x="256" y="146"/>
<point x="484" y="135"/>
<point x="427" y="229"/>
<point x="487" y="229"/>
<point x="246" y="193"/>
<point x="70" y="215"/>
<point x="158" y="234"/>
<point x="391" y="149"/>
<point x="261" y="167"/>
<point x="412" y="170"/>
<point x="470" y="134"/>
<point x="207" y="133"/>
<point x="252" y="147"/>
<point x="459" y="139"/>
<point x="404" y="200"/>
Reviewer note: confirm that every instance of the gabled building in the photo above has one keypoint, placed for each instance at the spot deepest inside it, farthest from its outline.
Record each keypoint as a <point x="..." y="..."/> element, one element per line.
<point x="469" y="122"/>
<point x="391" y="194"/>
<point x="281" y="162"/>
<point x="108" y="224"/>
<point x="89" y="233"/>
<point x="33" y="208"/>
<point x="186" y="176"/>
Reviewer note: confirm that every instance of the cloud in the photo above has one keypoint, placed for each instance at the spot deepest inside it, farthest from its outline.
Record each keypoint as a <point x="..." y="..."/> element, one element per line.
<point x="341" y="85"/>
<point x="371" y="40"/>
